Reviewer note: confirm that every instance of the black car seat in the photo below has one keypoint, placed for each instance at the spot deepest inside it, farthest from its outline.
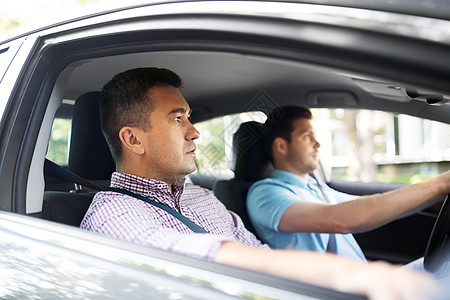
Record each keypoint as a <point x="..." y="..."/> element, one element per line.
<point x="249" y="163"/>
<point x="89" y="157"/>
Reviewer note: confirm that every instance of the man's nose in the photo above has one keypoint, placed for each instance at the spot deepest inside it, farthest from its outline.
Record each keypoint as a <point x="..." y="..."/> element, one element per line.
<point x="317" y="145"/>
<point x="192" y="133"/>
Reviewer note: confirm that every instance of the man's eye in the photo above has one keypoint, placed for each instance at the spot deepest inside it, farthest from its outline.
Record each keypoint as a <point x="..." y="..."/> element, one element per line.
<point x="178" y="119"/>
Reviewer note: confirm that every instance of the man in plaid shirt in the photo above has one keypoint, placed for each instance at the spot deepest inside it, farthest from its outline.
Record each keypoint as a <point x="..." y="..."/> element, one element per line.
<point x="146" y="122"/>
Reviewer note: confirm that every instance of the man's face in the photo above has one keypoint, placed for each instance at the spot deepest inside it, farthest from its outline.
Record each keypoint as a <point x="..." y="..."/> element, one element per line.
<point x="303" y="149"/>
<point x="169" y="144"/>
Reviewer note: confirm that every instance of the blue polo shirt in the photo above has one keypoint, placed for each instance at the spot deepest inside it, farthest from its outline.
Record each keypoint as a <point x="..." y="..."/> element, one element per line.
<point x="269" y="198"/>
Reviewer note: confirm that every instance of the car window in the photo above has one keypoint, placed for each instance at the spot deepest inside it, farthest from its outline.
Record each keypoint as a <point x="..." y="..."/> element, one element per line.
<point x="58" y="146"/>
<point x="369" y="146"/>
<point x="214" y="146"/>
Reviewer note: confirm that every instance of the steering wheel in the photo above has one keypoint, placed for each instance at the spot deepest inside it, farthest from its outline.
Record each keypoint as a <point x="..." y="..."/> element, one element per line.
<point x="439" y="242"/>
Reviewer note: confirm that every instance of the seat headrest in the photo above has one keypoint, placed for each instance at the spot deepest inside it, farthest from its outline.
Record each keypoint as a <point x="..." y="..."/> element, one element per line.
<point x="89" y="155"/>
<point x="249" y="162"/>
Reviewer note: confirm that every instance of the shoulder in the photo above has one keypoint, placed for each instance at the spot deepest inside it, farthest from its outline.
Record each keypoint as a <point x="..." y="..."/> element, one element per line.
<point x="116" y="202"/>
<point x="108" y="206"/>
<point x="193" y="189"/>
<point x="267" y="190"/>
<point x="195" y="193"/>
<point x="269" y="185"/>
<point x="272" y="193"/>
<point x="110" y="196"/>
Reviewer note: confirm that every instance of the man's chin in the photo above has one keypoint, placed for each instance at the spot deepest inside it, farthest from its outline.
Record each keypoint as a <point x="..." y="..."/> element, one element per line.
<point x="188" y="170"/>
<point x="314" y="167"/>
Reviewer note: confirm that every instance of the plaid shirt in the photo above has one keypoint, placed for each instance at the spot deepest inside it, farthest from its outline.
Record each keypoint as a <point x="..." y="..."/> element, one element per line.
<point x="134" y="220"/>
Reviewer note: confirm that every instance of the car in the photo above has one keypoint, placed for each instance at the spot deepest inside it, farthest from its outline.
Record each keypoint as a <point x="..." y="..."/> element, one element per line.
<point x="238" y="60"/>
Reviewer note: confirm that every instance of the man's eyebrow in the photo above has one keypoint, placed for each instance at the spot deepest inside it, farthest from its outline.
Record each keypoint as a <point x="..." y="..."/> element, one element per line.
<point x="308" y="131"/>
<point x="182" y="110"/>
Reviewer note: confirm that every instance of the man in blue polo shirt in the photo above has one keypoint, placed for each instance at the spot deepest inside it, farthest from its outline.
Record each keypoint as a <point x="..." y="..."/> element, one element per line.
<point x="291" y="210"/>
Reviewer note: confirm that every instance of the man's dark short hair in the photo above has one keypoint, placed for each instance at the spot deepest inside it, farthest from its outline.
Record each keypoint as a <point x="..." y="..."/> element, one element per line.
<point x="279" y="123"/>
<point x="126" y="102"/>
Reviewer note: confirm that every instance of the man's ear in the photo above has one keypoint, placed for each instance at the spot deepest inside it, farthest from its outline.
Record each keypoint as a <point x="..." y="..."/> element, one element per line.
<point x="279" y="146"/>
<point x="130" y="138"/>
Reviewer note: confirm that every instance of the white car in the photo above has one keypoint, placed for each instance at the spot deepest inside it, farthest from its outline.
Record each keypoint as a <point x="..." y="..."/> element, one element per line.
<point x="234" y="57"/>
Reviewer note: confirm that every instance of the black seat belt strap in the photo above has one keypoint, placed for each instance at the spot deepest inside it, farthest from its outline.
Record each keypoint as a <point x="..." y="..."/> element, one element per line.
<point x="59" y="172"/>
<point x="332" y="244"/>
<point x="56" y="171"/>
<point x="190" y="224"/>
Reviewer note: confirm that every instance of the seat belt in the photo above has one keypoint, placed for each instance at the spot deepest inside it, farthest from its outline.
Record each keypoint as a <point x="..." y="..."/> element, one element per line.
<point x="59" y="172"/>
<point x="190" y="224"/>
<point x="332" y="244"/>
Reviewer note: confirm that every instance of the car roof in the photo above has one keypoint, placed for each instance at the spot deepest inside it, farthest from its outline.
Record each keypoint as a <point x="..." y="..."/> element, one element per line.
<point x="438" y="9"/>
<point x="432" y="8"/>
